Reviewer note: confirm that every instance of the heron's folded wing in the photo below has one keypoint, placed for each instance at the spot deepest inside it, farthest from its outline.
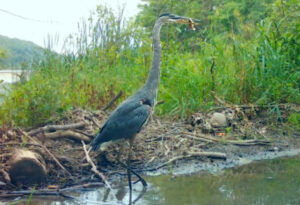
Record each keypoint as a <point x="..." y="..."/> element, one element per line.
<point x="121" y="125"/>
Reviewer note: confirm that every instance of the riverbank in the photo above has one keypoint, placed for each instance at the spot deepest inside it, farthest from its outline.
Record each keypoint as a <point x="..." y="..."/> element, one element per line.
<point x="164" y="146"/>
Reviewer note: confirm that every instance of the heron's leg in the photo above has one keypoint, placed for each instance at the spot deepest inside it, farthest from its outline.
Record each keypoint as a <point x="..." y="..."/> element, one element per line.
<point x="129" y="172"/>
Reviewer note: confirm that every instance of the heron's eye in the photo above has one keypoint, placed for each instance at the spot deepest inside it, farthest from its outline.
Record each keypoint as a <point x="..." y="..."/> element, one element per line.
<point x="145" y="102"/>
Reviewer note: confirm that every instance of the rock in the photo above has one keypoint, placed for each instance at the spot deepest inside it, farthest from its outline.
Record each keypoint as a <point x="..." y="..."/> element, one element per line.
<point x="27" y="168"/>
<point x="218" y="120"/>
<point x="206" y="128"/>
<point x="230" y="114"/>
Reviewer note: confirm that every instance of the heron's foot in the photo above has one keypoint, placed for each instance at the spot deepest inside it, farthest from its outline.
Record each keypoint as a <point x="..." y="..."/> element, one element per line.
<point x="140" y="179"/>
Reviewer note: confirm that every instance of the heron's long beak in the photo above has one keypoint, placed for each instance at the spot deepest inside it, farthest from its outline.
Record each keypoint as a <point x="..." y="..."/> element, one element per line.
<point x="186" y="20"/>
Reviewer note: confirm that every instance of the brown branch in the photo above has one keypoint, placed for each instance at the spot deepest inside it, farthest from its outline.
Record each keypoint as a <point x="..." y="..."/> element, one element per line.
<point x="113" y="100"/>
<point x="52" y="191"/>
<point x="247" y="142"/>
<point x="160" y="102"/>
<point x="204" y="138"/>
<point x="19" y="144"/>
<point x="67" y="133"/>
<point x="216" y="155"/>
<point x="94" y="168"/>
<point x="47" y="151"/>
<point x="200" y="137"/>
<point x="45" y="192"/>
<point x="5" y="175"/>
<point x="57" y="127"/>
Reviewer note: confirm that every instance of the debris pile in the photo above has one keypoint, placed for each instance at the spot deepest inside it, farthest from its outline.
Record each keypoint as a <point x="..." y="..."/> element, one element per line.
<point x="56" y="154"/>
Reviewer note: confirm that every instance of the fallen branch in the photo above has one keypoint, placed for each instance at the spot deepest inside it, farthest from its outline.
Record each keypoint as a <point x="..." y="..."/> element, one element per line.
<point x="57" y="127"/>
<point x="246" y="142"/>
<point x="94" y="168"/>
<point x="216" y="155"/>
<point x="19" y="144"/>
<point x="67" y="133"/>
<point x="201" y="137"/>
<point x="5" y="176"/>
<point x="47" y="192"/>
<point x="112" y="101"/>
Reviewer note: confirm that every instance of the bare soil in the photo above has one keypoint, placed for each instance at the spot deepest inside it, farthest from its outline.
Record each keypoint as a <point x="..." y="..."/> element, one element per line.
<point x="163" y="146"/>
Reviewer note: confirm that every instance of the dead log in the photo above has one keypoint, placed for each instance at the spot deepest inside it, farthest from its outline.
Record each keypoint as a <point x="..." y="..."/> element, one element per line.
<point x="27" y="168"/>
<point x="67" y="133"/>
<point x="57" y="127"/>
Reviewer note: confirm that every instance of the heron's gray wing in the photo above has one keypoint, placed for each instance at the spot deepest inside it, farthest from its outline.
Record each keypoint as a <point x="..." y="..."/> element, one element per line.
<point x="120" y="125"/>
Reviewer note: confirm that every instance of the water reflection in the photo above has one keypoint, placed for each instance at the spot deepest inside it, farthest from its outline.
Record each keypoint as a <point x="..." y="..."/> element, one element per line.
<point x="273" y="182"/>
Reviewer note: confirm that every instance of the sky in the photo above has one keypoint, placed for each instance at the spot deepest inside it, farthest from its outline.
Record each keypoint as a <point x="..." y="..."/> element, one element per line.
<point x="36" y="19"/>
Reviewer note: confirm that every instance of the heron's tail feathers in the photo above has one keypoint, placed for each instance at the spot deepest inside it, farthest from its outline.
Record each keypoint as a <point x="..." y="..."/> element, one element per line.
<point x="96" y="143"/>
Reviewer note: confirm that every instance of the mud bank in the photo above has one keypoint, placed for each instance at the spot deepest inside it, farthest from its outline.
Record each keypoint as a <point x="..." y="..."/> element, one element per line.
<point x="203" y="142"/>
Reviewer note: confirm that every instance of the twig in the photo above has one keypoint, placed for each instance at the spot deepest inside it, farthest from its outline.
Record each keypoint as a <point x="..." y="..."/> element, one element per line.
<point x="19" y="144"/>
<point x="160" y="102"/>
<point x="94" y="168"/>
<point x="214" y="155"/>
<point x="217" y="155"/>
<point x="5" y="175"/>
<point x="57" y="127"/>
<point x="198" y="138"/>
<point x="47" y="151"/>
<point x="67" y="133"/>
<point x="112" y="101"/>
<point x="84" y="133"/>
<point x="201" y="137"/>
<point x="247" y="142"/>
<point x="47" y="192"/>
<point x="212" y="73"/>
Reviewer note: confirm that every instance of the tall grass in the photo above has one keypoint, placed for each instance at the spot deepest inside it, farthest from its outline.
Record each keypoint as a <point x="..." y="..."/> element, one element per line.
<point x="110" y="54"/>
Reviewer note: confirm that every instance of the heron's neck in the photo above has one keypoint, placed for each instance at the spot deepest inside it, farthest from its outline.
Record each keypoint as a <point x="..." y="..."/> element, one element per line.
<point x="154" y="75"/>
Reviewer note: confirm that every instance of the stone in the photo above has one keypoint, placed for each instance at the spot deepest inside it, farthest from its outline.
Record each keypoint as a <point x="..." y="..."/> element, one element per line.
<point x="218" y="120"/>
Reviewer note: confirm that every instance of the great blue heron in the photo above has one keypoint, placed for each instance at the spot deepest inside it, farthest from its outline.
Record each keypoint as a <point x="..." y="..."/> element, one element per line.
<point x="129" y="117"/>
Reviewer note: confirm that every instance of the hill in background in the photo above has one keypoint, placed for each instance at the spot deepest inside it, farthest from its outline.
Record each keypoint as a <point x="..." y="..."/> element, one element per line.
<point x="17" y="54"/>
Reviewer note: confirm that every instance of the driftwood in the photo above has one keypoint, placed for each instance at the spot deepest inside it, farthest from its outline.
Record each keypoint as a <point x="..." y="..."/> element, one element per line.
<point x="198" y="136"/>
<point x="5" y="175"/>
<point x="247" y="142"/>
<point x="215" y="155"/>
<point x="204" y="138"/>
<point x="67" y="133"/>
<point x="57" y="127"/>
<point x="26" y="168"/>
<point x="94" y="168"/>
<point x="42" y="192"/>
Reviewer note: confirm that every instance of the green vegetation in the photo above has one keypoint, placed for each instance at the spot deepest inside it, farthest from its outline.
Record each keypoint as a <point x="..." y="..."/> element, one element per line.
<point x="255" y="46"/>
<point x="294" y="119"/>
<point x="17" y="54"/>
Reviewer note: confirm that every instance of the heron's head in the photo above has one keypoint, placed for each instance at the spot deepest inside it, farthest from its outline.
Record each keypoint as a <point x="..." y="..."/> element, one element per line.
<point x="172" y="18"/>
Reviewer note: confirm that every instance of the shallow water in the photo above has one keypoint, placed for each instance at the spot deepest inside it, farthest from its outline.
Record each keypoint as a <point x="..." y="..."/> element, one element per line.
<point x="271" y="182"/>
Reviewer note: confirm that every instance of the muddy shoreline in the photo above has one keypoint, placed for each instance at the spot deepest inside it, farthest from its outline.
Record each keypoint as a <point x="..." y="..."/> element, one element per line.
<point x="165" y="146"/>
